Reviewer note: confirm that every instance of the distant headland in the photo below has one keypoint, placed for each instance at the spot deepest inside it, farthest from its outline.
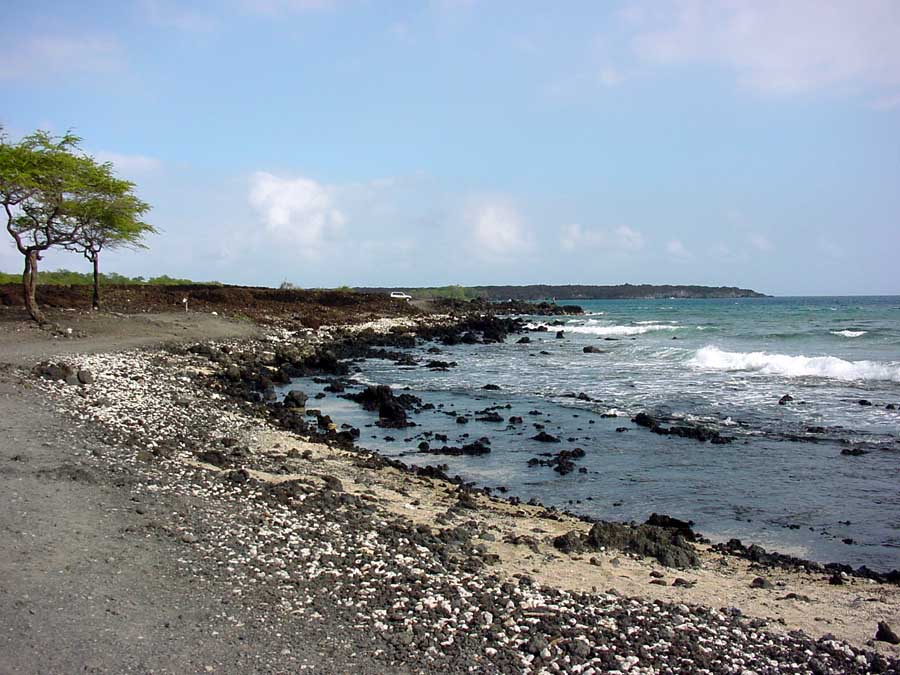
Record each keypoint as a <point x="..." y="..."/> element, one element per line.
<point x="573" y="292"/>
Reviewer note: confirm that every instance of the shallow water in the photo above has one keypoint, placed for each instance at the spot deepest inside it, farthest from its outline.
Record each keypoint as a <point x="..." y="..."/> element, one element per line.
<point x="730" y="364"/>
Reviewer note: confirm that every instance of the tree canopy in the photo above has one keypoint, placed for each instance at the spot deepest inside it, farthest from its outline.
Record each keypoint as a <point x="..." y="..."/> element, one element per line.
<point x="55" y="195"/>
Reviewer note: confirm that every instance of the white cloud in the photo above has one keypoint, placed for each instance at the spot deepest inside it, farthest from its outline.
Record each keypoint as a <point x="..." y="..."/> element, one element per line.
<point x="829" y="248"/>
<point x="287" y="6"/>
<point x="497" y="229"/>
<point x="676" y="248"/>
<point x="172" y="14"/>
<point x="129" y="164"/>
<point x="629" y="239"/>
<point x="761" y="243"/>
<point x="609" y="76"/>
<point x="891" y="102"/>
<point x="296" y="211"/>
<point x="776" y="46"/>
<point x="622" y="238"/>
<point x="46" y="55"/>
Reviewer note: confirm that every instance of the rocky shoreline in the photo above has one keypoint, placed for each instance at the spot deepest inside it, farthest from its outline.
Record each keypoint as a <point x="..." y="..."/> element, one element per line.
<point x="440" y="576"/>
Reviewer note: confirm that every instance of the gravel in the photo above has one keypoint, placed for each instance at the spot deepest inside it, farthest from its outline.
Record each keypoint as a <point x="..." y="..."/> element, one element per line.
<point x="422" y="598"/>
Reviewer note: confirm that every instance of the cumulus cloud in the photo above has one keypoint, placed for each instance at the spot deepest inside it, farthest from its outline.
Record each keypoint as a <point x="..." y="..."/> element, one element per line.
<point x="775" y="46"/>
<point x="622" y="238"/>
<point x="497" y="229"/>
<point x="297" y="211"/>
<point x="39" y="56"/>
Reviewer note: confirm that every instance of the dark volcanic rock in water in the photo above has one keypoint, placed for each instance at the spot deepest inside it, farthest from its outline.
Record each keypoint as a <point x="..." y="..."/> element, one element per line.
<point x="591" y="349"/>
<point x="491" y="387"/>
<point x="440" y="365"/>
<point x="560" y="334"/>
<point x="491" y="416"/>
<point x="478" y="447"/>
<point x="544" y="437"/>
<point x="391" y="409"/>
<point x="683" y="430"/>
<point x="854" y="452"/>
<point x="784" y="400"/>
<point x="295" y="399"/>
<point x="524" y="340"/>
<point x="563" y="462"/>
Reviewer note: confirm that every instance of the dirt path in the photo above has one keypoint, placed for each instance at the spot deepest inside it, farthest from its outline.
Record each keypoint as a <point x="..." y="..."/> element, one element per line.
<point x="85" y="332"/>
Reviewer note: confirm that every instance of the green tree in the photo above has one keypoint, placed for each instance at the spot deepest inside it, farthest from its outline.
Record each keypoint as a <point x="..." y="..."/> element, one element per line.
<point x="49" y="188"/>
<point x="109" y="219"/>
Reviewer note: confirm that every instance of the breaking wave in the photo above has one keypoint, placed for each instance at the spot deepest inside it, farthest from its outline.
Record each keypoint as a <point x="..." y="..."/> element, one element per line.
<point x="849" y="333"/>
<point x="713" y="358"/>
<point x="612" y="331"/>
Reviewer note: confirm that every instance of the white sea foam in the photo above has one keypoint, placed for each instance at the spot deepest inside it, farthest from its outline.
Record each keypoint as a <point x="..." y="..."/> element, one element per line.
<point x="849" y="333"/>
<point x="610" y="331"/>
<point x="713" y="358"/>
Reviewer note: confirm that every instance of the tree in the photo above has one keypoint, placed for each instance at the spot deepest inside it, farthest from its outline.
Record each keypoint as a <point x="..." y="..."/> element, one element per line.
<point x="47" y="188"/>
<point x="110" y="219"/>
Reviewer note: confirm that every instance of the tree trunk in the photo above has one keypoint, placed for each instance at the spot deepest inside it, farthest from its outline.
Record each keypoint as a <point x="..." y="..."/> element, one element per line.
<point x="96" y="299"/>
<point x="29" y="285"/>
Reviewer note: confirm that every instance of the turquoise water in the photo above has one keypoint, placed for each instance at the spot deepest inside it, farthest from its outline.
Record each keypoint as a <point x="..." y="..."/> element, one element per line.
<point x="783" y="482"/>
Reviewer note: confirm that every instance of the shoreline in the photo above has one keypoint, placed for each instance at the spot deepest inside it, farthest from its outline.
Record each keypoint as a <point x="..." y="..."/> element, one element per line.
<point x="194" y="432"/>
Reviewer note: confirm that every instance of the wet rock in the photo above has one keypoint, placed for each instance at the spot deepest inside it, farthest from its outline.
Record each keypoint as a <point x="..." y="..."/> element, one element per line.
<point x="591" y="349"/>
<point x="479" y="447"/>
<point x="491" y="387"/>
<point x="854" y="452"/>
<point x="560" y="334"/>
<point x="491" y="416"/>
<point x="544" y="437"/>
<point x="784" y="400"/>
<point x="440" y="365"/>
<point x="524" y="340"/>
<point x="295" y="399"/>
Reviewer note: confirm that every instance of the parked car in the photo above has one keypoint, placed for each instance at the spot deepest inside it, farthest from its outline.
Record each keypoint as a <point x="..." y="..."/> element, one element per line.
<point x="397" y="295"/>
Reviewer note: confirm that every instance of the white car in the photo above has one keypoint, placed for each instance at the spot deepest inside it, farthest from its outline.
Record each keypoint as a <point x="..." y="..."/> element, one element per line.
<point x="397" y="295"/>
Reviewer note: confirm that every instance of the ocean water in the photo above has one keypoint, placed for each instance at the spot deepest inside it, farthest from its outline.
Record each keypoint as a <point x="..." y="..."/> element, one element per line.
<point x="782" y="483"/>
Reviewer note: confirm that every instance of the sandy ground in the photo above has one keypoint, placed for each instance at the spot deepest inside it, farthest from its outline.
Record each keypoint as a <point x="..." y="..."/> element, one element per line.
<point x="89" y="582"/>
<point x="92" y="580"/>
<point x="850" y="612"/>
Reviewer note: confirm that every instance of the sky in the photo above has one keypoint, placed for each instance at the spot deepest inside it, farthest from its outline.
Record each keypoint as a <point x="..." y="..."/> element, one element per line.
<point x="753" y="143"/>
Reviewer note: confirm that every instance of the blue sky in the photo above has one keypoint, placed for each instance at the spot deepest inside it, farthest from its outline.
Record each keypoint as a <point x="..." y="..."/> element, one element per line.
<point x="328" y="142"/>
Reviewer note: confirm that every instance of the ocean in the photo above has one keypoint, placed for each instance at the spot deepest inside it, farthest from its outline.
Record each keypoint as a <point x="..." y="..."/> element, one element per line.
<point x="817" y="476"/>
